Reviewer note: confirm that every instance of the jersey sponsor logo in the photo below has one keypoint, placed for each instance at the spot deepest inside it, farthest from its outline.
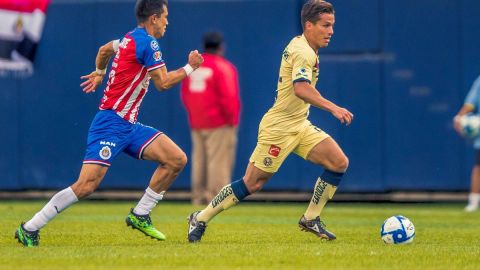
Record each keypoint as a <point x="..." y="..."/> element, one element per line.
<point x="107" y="143"/>
<point x="157" y="55"/>
<point x="224" y="193"/>
<point x="274" y="150"/>
<point x="154" y="45"/>
<point x="105" y="152"/>
<point x="267" y="162"/>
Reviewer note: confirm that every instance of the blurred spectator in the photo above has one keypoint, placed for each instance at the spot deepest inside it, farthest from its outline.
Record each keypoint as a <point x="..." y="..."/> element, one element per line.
<point x="472" y="104"/>
<point x="211" y="97"/>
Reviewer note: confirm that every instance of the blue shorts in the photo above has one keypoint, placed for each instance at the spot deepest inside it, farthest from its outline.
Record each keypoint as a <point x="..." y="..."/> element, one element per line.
<point x="109" y="135"/>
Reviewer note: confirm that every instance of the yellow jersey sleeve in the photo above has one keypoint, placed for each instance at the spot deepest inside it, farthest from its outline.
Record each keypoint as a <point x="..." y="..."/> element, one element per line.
<point x="302" y="67"/>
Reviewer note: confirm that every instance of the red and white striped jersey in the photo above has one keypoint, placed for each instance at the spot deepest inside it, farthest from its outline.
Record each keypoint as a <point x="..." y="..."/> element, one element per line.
<point x="128" y="80"/>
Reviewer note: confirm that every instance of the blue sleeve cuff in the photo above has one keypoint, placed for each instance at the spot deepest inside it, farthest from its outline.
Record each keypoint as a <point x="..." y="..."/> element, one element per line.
<point x="302" y="80"/>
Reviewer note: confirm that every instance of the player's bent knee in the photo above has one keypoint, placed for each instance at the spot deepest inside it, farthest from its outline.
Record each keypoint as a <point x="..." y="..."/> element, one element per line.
<point x="182" y="161"/>
<point x="340" y="164"/>
<point x="178" y="162"/>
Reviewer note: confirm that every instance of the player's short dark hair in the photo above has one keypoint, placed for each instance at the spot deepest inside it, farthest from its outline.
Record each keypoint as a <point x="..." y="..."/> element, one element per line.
<point x="313" y="9"/>
<point x="212" y="41"/>
<point x="146" y="8"/>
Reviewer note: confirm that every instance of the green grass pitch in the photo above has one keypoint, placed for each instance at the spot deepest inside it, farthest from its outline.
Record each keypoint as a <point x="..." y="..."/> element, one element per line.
<point x="93" y="235"/>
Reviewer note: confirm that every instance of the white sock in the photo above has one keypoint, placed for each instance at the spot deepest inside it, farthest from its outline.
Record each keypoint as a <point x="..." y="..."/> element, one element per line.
<point x="148" y="202"/>
<point x="57" y="204"/>
<point x="474" y="199"/>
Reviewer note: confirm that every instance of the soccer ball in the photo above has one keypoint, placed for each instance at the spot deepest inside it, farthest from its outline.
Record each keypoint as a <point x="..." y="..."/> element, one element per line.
<point x="397" y="230"/>
<point x="470" y="124"/>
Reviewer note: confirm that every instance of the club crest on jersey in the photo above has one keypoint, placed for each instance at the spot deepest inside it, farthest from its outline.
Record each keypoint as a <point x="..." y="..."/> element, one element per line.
<point x="105" y="152"/>
<point x="274" y="150"/>
<point x="157" y="55"/>
<point x="154" y="45"/>
<point x="267" y="162"/>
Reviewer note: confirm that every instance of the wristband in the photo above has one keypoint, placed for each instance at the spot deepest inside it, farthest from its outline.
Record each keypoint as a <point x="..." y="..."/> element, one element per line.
<point x="188" y="69"/>
<point x="101" y="71"/>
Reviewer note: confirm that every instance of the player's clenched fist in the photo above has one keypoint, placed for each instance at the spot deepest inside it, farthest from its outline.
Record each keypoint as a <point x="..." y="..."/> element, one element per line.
<point x="195" y="59"/>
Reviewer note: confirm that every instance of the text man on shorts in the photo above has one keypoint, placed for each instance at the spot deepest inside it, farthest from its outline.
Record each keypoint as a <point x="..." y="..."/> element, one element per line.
<point x="285" y="129"/>
<point x="115" y="128"/>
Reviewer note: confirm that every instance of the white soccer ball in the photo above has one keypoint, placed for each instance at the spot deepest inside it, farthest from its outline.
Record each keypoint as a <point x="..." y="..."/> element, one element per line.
<point x="470" y="124"/>
<point x="397" y="230"/>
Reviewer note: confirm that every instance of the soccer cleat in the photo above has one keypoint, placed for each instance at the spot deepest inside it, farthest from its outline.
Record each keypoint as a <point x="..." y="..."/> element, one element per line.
<point x="196" y="228"/>
<point x="317" y="227"/>
<point x="471" y="208"/>
<point x="144" y="224"/>
<point x="27" y="238"/>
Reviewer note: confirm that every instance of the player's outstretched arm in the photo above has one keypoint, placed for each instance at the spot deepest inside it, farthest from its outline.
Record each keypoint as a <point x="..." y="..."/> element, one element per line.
<point x="95" y="78"/>
<point x="164" y="79"/>
<point x="309" y="94"/>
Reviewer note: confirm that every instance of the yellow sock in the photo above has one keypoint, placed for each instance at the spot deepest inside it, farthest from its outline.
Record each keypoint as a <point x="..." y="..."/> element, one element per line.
<point x="321" y="194"/>
<point x="224" y="200"/>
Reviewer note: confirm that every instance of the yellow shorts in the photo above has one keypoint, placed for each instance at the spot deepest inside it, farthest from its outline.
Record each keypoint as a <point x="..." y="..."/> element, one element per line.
<point x="272" y="149"/>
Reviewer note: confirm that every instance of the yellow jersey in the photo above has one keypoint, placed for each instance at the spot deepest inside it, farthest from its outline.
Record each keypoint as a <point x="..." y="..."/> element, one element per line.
<point x="289" y="113"/>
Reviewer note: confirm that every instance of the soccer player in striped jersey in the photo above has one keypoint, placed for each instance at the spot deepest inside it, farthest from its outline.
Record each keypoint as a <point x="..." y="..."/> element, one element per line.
<point x="285" y="129"/>
<point x="138" y="59"/>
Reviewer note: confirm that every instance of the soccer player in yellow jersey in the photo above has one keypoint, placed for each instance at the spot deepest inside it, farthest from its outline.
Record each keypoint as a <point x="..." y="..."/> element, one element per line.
<point x="285" y="129"/>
